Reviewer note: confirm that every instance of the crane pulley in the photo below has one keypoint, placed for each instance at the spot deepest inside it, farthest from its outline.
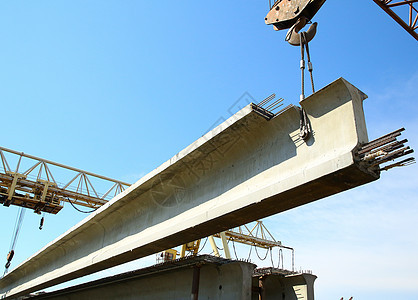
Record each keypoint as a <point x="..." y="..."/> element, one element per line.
<point x="284" y="14"/>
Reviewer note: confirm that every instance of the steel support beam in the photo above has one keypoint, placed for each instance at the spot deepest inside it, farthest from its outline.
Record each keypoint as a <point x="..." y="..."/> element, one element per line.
<point x="245" y="169"/>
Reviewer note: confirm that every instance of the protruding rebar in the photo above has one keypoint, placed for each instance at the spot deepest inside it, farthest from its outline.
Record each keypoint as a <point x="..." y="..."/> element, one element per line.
<point x="384" y="149"/>
<point x="266" y="100"/>
<point x="274" y="103"/>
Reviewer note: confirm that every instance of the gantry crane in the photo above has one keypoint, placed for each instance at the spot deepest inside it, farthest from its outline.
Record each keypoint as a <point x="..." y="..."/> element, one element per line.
<point x="31" y="184"/>
<point x="258" y="236"/>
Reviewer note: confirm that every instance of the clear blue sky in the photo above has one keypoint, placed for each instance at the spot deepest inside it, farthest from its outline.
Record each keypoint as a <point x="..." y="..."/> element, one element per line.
<point x="118" y="87"/>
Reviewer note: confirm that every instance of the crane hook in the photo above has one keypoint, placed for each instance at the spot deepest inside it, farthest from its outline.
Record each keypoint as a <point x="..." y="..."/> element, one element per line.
<point x="9" y="258"/>
<point x="41" y="224"/>
<point x="293" y="37"/>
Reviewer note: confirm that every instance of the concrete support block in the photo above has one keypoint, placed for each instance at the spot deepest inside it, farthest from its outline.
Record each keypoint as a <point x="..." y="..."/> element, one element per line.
<point x="219" y="279"/>
<point x="291" y="287"/>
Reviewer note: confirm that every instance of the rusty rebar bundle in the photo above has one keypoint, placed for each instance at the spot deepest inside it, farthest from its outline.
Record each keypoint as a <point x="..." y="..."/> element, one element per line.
<point x="385" y="149"/>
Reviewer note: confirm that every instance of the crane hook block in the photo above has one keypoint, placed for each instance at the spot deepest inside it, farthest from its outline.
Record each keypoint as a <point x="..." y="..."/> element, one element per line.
<point x="9" y="258"/>
<point x="294" y="38"/>
<point x="41" y="224"/>
<point x="284" y="13"/>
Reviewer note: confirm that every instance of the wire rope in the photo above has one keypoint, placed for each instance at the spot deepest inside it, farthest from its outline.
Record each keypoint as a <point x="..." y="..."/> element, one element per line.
<point x="84" y="212"/>
<point x="271" y="257"/>
<point x="15" y="236"/>
<point x="281" y="258"/>
<point x="256" y="251"/>
<point x="233" y="245"/>
<point x="204" y="244"/>
<point x="249" y="254"/>
<point x="18" y="225"/>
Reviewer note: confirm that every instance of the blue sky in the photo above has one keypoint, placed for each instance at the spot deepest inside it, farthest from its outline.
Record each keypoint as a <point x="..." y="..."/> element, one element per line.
<point x="117" y="88"/>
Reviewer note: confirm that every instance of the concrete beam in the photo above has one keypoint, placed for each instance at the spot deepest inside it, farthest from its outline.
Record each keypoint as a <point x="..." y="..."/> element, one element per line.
<point x="274" y="285"/>
<point x="219" y="279"/>
<point x="245" y="169"/>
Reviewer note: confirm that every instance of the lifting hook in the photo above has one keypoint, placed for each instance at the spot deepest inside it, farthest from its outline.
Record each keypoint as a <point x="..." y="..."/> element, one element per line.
<point x="9" y="258"/>
<point x="41" y="224"/>
<point x="293" y="37"/>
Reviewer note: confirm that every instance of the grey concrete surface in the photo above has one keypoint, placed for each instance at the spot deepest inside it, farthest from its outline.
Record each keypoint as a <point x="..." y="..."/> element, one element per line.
<point x="291" y="287"/>
<point x="245" y="169"/>
<point x="219" y="279"/>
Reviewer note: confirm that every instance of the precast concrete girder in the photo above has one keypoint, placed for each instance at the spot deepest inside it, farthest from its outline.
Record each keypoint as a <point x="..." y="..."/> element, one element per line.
<point x="218" y="279"/>
<point x="245" y="169"/>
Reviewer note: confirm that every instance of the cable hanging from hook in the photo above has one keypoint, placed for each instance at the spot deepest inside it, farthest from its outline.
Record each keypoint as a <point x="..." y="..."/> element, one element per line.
<point x="15" y="236"/>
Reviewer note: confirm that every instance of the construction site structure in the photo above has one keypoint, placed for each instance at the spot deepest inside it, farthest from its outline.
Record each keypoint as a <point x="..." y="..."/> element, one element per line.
<point x="35" y="187"/>
<point x="263" y="167"/>
<point x="30" y="184"/>
<point x="285" y="14"/>
<point x="404" y="12"/>
<point x="309" y="165"/>
<point x="258" y="236"/>
<point x="44" y="194"/>
<point x="194" y="277"/>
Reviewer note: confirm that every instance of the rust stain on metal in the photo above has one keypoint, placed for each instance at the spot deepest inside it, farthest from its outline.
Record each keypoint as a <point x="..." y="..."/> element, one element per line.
<point x="283" y="14"/>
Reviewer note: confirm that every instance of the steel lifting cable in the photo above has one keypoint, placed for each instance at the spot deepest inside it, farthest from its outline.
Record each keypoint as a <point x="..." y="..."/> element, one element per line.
<point x="310" y="67"/>
<point x="305" y="128"/>
<point x="204" y="244"/>
<point x="271" y="257"/>
<point x="256" y="251"/>
<point x="304" y="123"/>
<point x="84" y="212"/>
<point x="302" y="65"/>
<point x="304" y="43"/>
<point x="249" y="254"/>
<point x="233" y="245"/>
<point x="280" y="258"/>
<point x="16" y="231"/>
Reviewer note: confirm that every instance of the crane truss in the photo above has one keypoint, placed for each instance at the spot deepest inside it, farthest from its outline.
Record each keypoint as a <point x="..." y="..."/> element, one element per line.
<point x="258" y="236"/>
<point x="36" y="188"/>
<point x="404" y="7"/>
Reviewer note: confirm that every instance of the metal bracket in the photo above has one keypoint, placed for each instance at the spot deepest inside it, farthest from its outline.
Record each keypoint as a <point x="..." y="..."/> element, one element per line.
<point x="16" y="177"/>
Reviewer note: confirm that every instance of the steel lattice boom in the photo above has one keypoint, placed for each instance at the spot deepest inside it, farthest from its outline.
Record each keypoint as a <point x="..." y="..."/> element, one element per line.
<point x="258" y="236"/>
<point x="37" y="189"/>
<point x="409" y="24"/>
